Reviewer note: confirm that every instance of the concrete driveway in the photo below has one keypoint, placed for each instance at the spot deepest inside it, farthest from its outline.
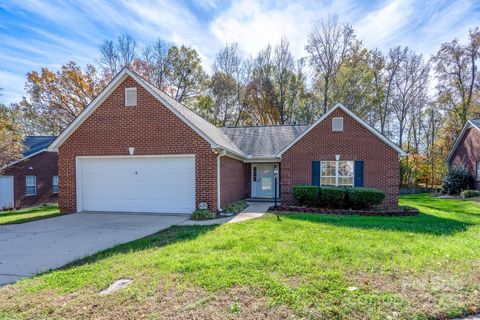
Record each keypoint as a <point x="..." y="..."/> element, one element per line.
<point x="29" y="248"/>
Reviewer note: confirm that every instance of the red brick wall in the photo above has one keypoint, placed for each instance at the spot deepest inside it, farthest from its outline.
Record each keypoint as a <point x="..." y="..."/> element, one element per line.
<point x="149" y="127"/>
<point x="468" y="153"/>
<point x="233" y="180"/>
<point x="44" y="166"/>
<point x="381" y="162"/>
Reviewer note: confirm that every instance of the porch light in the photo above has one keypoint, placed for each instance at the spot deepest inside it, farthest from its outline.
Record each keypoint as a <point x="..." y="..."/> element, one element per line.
<point x="337" y="157"/>
<point x="131" y="150"/>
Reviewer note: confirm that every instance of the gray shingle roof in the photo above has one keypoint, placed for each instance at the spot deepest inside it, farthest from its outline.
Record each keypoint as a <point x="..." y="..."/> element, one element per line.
<point x="263" y="141"/>
<point x="36" y="143"/>
<point x="476" y="122"/>
<point x="206" y="127"/>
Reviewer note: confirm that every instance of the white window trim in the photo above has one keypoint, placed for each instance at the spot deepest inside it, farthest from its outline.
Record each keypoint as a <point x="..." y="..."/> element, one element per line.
<point x="133" y="89"/>
<point x="33" y="185"/>
<point x="337" y="118"/>
<point x="337" y="176"/>
<point x="54" y="184"/>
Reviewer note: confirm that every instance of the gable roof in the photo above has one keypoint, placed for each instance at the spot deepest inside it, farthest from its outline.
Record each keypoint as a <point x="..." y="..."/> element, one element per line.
<point x="205" y="129"/>
<point x="355" y="117"/>
<point x="472" y="123"/>
<point x="245" y="142"/>
<point x="263" y="141"/>
<point x="34" y="144"/>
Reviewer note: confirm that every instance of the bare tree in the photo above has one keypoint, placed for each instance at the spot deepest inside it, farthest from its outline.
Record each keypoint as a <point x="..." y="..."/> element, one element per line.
<point x="328" y="44"/>
<point x="154" y="64"/>
<point x="109" y="57"/>
<point x="116" y="55"/>
<point x="409" y="89"/>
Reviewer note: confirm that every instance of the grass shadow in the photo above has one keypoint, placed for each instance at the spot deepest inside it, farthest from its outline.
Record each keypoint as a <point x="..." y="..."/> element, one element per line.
<point x="162" y="238"/>
<point x="423" y="223"/>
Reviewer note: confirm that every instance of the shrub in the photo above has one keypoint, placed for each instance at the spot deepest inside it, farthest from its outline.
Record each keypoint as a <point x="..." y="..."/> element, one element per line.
<point x="456" y="180"/>
<point x="202" y="214"/>
<point x="470" y="193"/>
<point x="364" y="198"/>
<point x="306" y="195"/>
<point x="331" y="197"/>
<point x="236" y="207"/>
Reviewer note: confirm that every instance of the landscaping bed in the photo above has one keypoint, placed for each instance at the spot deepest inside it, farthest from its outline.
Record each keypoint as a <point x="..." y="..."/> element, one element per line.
<point x="399" y="211"/>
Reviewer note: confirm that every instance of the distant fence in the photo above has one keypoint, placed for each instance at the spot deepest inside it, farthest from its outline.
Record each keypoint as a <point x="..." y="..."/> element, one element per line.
<point x="417" y="190"/>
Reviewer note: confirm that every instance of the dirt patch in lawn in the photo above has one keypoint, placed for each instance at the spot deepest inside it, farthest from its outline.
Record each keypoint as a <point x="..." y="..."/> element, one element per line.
<point x="167" y="299"/>
<point x="431" y="295"/>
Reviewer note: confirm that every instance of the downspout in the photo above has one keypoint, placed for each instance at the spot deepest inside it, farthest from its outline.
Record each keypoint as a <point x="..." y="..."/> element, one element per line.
<point x="221" y="153"/>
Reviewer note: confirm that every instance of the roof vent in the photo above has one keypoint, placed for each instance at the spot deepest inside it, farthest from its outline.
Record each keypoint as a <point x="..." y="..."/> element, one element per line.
<point x="130" y="97"/>
<point x="337" y="124"/>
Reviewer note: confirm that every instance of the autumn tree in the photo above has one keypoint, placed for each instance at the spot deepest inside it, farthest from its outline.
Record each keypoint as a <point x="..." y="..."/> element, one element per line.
<point x="11" y="146"/>
<point x="54" y="99"/>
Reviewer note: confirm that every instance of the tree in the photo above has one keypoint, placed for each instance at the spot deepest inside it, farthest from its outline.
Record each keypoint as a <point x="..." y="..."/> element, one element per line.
<point x="116" y="55"/>
<point x="11" y="146"/>
<point x="54" y="99"/>
<point x="458" y="80"/>
<point x="409" y="92"/>
<point x="328" y="44"/>
<point x="186" y="77"/>
<point x="154" y="64"/>
<point x="226" y="87"/>
<point x="354" y="85"/>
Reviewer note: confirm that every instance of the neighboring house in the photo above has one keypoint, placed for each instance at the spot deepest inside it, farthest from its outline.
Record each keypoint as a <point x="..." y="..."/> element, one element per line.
<point x="466" y="150"/>
<point x="136" y="149"/>
<point x="33" y="179"/>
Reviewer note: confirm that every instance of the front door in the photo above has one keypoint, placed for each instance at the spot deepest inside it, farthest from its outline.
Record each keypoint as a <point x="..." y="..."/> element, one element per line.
<point x="263" y="180"/>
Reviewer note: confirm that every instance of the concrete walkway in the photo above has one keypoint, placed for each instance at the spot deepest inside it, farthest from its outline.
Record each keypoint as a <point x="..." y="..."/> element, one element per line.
<point x="30" y="248"/>
<point x="254" y="210"/>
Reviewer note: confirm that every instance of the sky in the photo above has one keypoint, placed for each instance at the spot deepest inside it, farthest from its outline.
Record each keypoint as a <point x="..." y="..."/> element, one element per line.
<point x="36" y="34"/>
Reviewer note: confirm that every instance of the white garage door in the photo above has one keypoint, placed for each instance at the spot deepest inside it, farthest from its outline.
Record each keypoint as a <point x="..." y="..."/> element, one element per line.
<point x="6" y="192"/>
<point x="136" y="184"/>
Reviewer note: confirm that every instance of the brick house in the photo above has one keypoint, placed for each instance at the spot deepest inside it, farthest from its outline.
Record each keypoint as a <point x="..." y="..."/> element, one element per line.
<point x="33" y="179"/>
<point x="466" y="150"/>
<point x="136" y="149"/>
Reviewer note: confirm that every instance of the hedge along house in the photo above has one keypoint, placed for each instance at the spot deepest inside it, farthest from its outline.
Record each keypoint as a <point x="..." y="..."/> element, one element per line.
<point x="33" y="179"/>
<point x="466" y="150"/>
<point x="136" y="149"/>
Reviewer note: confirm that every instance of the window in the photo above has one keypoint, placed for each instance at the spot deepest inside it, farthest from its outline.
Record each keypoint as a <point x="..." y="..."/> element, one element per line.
<point x="337" y="124"/>
<point x="130" y="97"/>
<point x="337" y="173"/>
<point x="254" y="173"/>
<point x="478" y="170"/>
<point x="31" y="185"/>
<point x="55" y="184"/>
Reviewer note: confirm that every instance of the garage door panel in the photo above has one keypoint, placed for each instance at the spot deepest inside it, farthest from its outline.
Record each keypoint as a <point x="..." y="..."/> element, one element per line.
<point x="137" y="184"/>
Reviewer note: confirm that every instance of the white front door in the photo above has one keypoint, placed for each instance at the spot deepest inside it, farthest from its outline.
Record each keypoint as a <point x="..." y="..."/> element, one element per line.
<point x="6" y="192"/>
<point x="163" y="184"/>
<point x="263" y="180"/>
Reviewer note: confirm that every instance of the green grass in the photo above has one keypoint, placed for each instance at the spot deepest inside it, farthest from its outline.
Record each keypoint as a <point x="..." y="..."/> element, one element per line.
<point x="29" y="214"/>
<point x="302" y="266"/>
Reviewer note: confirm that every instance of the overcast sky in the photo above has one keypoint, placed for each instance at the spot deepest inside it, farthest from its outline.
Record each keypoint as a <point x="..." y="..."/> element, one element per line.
<point x="34" y="34"/>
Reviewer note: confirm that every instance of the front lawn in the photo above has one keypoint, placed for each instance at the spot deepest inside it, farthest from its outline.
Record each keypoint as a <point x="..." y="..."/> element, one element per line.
<point x="29" y="214"/>
<point x="303" y="266"/>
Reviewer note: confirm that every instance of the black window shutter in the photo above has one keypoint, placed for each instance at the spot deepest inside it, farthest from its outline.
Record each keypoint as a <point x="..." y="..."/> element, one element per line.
<point x="358" y="171"/>
<point x="315" y="173"/>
